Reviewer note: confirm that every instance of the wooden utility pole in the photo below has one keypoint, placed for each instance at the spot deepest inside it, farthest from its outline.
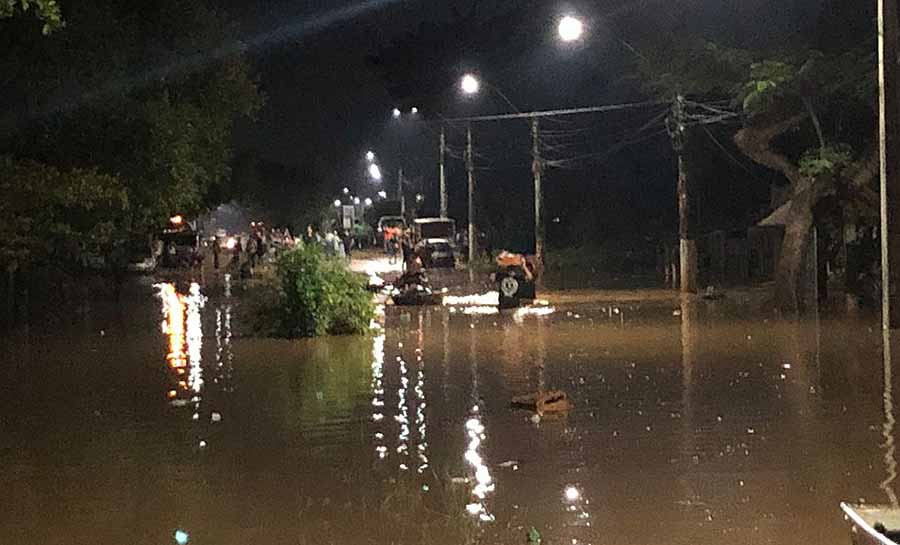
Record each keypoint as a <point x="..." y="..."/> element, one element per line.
<point x="443" y="179"/>
<point x="687" y="245"/>
<point x="537" y="168"/>
<point x="470" y="171"/>
<point x="889" y="156"/>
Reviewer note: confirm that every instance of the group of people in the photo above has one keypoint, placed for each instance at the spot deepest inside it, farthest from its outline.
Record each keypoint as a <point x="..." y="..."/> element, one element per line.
<point x="334" y="243"/>
<point x="247" y="253"/>
<point x="398" y="242"/>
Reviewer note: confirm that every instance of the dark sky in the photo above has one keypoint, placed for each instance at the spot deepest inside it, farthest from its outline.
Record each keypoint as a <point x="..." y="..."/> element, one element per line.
<point x="312" y="61"/>
<point x="328" y="101"/>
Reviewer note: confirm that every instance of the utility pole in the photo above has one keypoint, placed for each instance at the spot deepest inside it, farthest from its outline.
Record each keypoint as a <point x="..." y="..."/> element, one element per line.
<point x="470" y="171"/>
<point x="537" y="168"/>
<point x="443" y="179"/>
<point x="400" y="196"/>
<point x="687" y="250"/>
<point x="889" y="158"/>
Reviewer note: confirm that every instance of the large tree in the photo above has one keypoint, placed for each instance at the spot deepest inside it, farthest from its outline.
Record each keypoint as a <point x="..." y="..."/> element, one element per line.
<point x="144" y="92"/>
<point x="807" y="115"/>
<point x="781" y="97"/>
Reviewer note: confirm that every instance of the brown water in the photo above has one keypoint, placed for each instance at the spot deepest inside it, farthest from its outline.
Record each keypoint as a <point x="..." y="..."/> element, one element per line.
<point x="712" y="426"/>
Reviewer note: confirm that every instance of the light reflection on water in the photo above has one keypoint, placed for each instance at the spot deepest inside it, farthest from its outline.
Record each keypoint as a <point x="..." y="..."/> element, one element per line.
<point x="381" y="449"/>
<point x="479" y="473"/>
<point x="664" y="402"/>
<point x="887" y="429"/>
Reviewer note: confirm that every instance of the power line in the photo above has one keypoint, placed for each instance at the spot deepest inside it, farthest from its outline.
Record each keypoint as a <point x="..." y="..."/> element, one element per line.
<point x="552" y="113"/>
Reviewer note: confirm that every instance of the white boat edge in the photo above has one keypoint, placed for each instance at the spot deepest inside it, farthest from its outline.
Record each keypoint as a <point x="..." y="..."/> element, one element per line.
<point x="850" y="512"/>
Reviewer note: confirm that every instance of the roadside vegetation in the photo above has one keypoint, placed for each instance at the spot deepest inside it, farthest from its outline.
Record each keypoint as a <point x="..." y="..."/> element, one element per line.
<point x="308" y="294"/>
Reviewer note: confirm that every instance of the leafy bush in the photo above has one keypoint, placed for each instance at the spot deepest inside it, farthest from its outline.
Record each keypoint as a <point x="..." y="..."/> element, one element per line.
<point x="829" y="160"/>
<point x="310" y="294"/>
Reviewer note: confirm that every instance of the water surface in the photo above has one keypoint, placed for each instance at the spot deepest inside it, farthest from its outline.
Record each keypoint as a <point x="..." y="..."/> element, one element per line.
<point x="701" y="423"/>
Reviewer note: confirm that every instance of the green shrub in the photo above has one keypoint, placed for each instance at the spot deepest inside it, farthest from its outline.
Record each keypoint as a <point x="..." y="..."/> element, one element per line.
<point x="310" y="294"/>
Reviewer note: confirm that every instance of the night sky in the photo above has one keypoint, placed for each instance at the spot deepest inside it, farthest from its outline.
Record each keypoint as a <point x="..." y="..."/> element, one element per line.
<point x="332" y="73"/>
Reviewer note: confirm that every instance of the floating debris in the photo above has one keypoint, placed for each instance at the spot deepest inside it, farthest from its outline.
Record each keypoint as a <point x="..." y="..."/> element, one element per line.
<point x="552" y="401"/>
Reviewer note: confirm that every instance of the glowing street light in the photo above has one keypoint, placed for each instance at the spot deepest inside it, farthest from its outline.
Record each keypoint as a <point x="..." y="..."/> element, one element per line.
<point x="346" y="191"/>
<point x="337" y="203"/>
<point x="570" y="29"/>
<point x="176" y="220"/>
<point x="396" y="113"/>
<point x="469" y="84"/>
<point x="375" y="172"/>
<point x="355" y="200"/>
<point x="370" y="156"/>
<point x="382" y="194"/>
<point x="368" y="201"/>
<point x="414" y="110"/>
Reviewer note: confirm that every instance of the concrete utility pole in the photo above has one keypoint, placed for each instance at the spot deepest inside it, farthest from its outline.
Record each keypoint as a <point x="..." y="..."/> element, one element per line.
<point x="400" y="196"/>
<point x="537" y="168"/>
<point x="687" y="244"/>
<point x="443" y="179"/>
<point x="889" y="156"/>
<point x="470" y="170"/>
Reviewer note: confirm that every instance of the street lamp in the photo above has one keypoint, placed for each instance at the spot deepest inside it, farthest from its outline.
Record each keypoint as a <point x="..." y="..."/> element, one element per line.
<point x="570" y="28"/>
<point x="375" y="172"/>
<point x="355" y="200"/>
<point x="370" y="156"/>
<point x="414" y="110"/>
<point x="346" y="191"/>
<point x="368" y="201"/>
<point x="396" y="113"/>
<point x="469" y="84"/>
<point x="337" y="203"/>
<point x="382" y="194"/>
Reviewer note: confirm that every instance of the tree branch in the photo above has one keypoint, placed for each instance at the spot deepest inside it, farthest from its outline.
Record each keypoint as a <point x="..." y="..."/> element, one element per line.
<point x="755" y="142"/>
<point x="865" y="171"/>
<point x="859" y="183"/>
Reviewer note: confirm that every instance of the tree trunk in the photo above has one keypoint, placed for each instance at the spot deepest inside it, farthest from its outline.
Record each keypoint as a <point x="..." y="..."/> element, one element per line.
<point x="794" y="248"/>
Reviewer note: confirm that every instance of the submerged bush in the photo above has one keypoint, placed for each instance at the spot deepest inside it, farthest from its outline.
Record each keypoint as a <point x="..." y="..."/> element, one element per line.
<point x="310" y="294"/>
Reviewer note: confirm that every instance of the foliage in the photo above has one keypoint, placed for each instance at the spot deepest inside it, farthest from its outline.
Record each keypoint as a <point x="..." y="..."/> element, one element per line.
<point x="56" y="214"/>
<point x="47" y="11"/>
<point x="311" y="294"/>
<point x="829" y="160"/>
<point x="691" y="66"/>
<point x="766" y="79"/>
<point x="142" y="91"/>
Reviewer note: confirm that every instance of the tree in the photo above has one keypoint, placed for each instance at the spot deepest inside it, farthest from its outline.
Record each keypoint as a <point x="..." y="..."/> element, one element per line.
<point x="47" y="11"/>
<point x="798" y="108"/>
<point x="777" y="100"/>
<point x="58" y="216"/>
<point x="146" y="92"/>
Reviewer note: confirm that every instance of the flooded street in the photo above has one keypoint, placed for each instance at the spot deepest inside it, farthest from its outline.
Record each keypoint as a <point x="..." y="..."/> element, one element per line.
<point x="694" y="423"/>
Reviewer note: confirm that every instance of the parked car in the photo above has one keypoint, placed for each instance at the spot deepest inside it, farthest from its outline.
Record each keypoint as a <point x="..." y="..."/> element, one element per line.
<point x="425" y="228"/>
<point x="181" y="248"/>
<point x="436" y="253"/>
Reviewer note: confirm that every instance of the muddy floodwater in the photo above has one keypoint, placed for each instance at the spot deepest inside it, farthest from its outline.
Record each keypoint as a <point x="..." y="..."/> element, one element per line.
<point x="160" y="421"/>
